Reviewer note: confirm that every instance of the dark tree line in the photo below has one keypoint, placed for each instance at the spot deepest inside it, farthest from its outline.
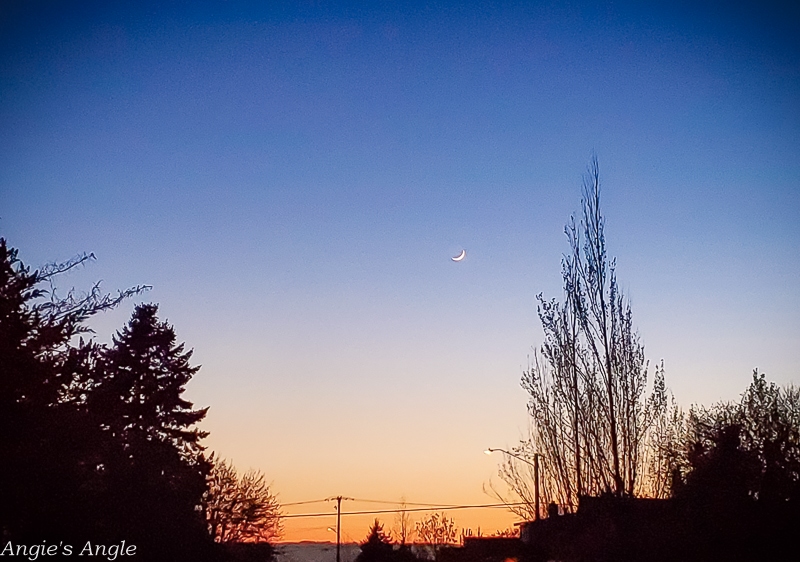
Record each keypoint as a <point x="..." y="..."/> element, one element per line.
<point x="605" y="437"/>
<point x="735" y="493"/>
<point x="96" y="441"/>
<point x="737" y="476"/>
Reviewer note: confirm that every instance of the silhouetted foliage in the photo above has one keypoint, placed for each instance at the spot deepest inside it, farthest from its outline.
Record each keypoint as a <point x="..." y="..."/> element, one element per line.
<point x="154" y="466"/>
<point x="240" y="509"/>
<point x="139" y="395"/>
<point x="507" y="533"/>
<point x="403" y="529"/>
<point x="96" y="442"/>
<point x="436" y="531"/>
<point x="766" y="421"/>
<point x="739" y="484"/>
<point x="735" y="494"/>
<point x="48" y="443"/>
<point x="377" y="547"/>
<point x="404" y="553"/>
<point x="591" y="417"/>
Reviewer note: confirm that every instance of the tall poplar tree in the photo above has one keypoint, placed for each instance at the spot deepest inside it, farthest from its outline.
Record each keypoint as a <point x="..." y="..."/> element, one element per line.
<point x="592" y="418"/>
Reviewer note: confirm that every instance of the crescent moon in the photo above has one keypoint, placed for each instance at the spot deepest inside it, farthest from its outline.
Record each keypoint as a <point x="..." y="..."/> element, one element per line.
<point x="460" y="256"/>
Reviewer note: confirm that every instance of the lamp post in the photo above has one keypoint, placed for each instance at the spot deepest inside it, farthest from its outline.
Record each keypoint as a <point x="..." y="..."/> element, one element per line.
<point x="535" y="465"/>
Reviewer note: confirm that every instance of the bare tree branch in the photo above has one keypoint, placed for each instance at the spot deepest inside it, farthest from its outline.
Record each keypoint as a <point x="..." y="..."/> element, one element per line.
<point x="592" y="420"/>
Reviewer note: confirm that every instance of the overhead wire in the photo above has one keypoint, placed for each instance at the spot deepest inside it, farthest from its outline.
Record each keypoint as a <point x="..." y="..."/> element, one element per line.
<point x="432" y="507"/>
<point x="305" y="502"/>
<point x="398" y="503"/>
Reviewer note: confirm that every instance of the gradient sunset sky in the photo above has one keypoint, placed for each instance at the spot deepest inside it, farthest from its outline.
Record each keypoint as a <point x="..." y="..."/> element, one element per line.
<point x="293" y="178"/>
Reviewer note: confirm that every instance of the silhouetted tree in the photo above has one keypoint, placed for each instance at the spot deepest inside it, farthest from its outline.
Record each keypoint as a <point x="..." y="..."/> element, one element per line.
<point x="240" y="509"/>
<point x="96" y="442"/>
<point x="769" y="417"/>
<point x="403" y="525"/>
<point x="139" y="396"/>
<point x="377" y="547"/>
<point x="48" y="445"/>
<point x="766" y="424"/>
<point x="436" y="531"/>
<point x="738" y="482"/>
<point x="591" y="417"/>
<point x="154" y="465"/>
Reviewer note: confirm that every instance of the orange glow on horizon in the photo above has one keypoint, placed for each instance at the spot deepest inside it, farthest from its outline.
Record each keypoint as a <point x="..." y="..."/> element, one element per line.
<point x="355" y="528"/>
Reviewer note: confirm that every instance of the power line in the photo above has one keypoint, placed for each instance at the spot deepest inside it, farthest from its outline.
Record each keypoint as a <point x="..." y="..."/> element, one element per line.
<point x="430" y="508"/>
<point x="399" y="503"/>
<point x="429" y="505"/>
<point x="304" y="503"/>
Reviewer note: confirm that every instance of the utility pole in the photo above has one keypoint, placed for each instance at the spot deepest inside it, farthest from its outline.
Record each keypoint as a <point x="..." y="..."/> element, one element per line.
<point x="338" y="527"/>
<point x="338" y="524"/>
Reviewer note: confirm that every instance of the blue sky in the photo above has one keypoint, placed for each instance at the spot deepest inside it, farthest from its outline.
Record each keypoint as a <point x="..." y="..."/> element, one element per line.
<point x="293" y="180"/>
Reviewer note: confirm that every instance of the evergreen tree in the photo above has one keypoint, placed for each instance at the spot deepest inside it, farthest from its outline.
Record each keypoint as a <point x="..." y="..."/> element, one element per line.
<point x="155" y="466"/>
<point x="145" y="375"/>
<point x="96" y="443"/>
<point x="377" y="547"/>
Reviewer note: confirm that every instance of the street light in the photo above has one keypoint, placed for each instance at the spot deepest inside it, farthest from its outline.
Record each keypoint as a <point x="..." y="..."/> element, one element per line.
<point x="534" y="464"/>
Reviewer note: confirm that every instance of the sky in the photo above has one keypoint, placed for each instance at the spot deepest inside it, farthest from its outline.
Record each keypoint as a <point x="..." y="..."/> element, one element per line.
<point x="293" y="179"/>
